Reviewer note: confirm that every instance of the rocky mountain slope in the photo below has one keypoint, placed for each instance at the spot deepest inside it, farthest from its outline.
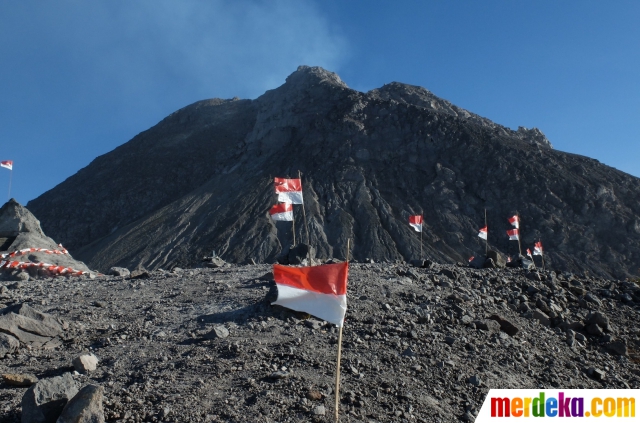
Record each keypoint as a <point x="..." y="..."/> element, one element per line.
<point x="201" y="181"/>
<point x="419" y="345"/>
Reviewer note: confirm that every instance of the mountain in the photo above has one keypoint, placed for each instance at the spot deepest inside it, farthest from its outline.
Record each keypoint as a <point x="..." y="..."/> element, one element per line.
<point x="201" y="180"/>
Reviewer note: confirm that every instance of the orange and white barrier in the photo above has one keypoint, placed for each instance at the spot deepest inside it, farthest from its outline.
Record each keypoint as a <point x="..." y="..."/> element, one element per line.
<point x="56" y="270"/>
<point x="35" y="250"/>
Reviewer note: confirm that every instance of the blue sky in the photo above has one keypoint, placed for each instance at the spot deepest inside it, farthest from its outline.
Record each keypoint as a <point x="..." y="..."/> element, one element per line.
<point x="79" y="78"/>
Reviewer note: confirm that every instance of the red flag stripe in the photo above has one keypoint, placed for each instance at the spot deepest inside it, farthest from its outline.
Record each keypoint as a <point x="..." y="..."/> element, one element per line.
<point x="325" y="279"/>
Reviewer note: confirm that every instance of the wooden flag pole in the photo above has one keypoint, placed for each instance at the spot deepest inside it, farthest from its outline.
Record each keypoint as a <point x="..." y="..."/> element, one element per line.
<point x="10" y="178"/>
<point x="486" y="240"/>
<point x="339" y="355"/>
<point x="293" y="223"/>
<point x="518" y="228"/>
<point x="421" y="228"/>
<point x="306" y="225"/>
<point x="541" y="254"/>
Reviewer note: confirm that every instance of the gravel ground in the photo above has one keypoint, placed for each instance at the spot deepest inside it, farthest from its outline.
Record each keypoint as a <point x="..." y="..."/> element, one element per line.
<point x="419" y="344"/>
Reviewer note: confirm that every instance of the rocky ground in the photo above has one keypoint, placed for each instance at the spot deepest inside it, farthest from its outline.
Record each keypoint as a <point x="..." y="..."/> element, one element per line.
<point x="420" y="344"/>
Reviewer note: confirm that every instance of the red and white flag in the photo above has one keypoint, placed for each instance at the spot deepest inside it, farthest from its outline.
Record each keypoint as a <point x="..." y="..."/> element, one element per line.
<point x="537" y="249"/>
<point x="282" y="212"/>
<point x="483" y="233"/>
<point x="471" y="259"/>
<point x="319" y="290"/>
<point x="416" y="222"/>
<point x="529" y="254"/>
<point x="509" y="259"/>
<point x="514" y="234"/>
<point x="289" y="190"/>
<point x="515" y="221"/>
<point x="7" y="163"/>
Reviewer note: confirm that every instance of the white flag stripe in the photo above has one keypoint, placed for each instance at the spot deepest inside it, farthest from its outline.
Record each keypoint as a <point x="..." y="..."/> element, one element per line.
<point x="329" y="307"/>
<point x="291" y="197"/>
<point x="416" y="226"/>
<point x="283" y="217"/>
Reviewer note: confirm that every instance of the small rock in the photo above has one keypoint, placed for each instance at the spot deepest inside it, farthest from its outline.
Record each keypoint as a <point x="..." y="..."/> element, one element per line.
<point x="140" y="274"/>
<point x="541" y="317"/>
<point x="617" y="347"/>
<point x="119" y="271"/>
<point x="313" y="324"/>
<point x="279" y="375"/>
<point x="508" y="327"/>
<point x="217" y="332"/>
<point x="8" y="344"/>
<point x="85" y="363"/>
<point x="449" y="340"/>
<point x="22" y="379"/>
<point x="475" y="380"/>
<point x="318" y="410"/>
<point x="596" y="374"/>
<point x="84" y="407"/>
<point x="408" y="353"/>
<point x="314" y="395"/>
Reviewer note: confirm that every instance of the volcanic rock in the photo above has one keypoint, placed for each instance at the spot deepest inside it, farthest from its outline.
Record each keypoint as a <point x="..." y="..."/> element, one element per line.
<point x="368" y="160"/>
<point x="84" y="407"/>
<point x="44" y="401"/>
<point x="19" y="229"/>
<point x="85" y="363"/>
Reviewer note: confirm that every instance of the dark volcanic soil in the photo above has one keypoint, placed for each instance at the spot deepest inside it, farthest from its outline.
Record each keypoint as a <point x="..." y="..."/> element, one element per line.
<point x="417" y="343"/>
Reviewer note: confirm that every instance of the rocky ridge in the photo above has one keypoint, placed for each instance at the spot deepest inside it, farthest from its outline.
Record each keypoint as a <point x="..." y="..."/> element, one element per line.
<point x="201" y="181"/>
<point x="420" y="344"/>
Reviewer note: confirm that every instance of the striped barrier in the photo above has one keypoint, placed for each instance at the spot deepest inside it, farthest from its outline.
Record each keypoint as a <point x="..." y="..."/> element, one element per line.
<point x="35" y="250"/>
<point x="56" y="270"/>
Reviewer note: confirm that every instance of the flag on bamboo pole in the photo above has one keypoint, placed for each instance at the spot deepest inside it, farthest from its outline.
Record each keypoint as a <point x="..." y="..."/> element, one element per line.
<point x="483" y="233"/>
<point x="289" y="190"/>
<point x="282" y="212"/>
<point x="319" y="290"/>
<point x="513" y="234"/>
<point x="537" y="249"/>
<point x="529" y="254"/>
<point x="416" y="222"/>
<point x="7" y="163"/>
<point x="515" y="221"/>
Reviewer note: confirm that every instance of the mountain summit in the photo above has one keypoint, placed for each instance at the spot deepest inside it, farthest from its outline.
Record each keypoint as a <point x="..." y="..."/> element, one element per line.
<point x="201" y="180"/>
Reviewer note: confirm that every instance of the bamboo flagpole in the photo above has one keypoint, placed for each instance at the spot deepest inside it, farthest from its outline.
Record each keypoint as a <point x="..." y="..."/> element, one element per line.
<point x="486" y="240"/>
<point x="306" y="225"/>
<point x="293" y="224"/>
<point x="519" y="225"/>
<point x="339" y="354"/>
<point x="10" y="179"/>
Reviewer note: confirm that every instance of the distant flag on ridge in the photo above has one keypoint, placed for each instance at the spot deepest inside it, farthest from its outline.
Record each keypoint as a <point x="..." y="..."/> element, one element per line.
<point x="319" y="290"/>
<point x="509" y="259"/>
<point x="483" y="233"/>
<point x="514" y="234"/>
<point x="537" y="250"/>
<point x="282" y="212"/>
<point x="416" y="222"/>
<point x="471" y="259"/>
<point x="515" y="221"/>
<point x="529" y="253"/>
<point x="7" y="163"/>
<point x="289" y="190"/>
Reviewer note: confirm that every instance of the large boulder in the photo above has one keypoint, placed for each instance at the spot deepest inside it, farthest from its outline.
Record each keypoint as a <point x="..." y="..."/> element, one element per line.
<point x="44" y="401"/>
<point x="20" y="230"/>
<point x="30" y="326"/>
<point x="85" y="407"/>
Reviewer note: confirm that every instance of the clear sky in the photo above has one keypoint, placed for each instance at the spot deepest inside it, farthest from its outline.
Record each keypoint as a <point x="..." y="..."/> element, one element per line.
<point x="79" y="78"/>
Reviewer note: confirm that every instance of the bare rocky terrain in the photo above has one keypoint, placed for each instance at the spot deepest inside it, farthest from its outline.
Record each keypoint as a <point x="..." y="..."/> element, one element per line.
<point x="420" y="344"/>
<point x="201" y="180"/>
